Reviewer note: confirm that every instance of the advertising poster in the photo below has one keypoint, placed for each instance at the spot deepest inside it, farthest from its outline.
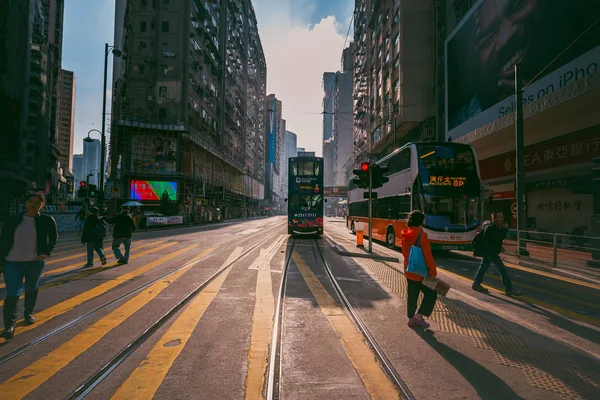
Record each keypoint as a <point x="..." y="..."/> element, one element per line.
<point x="555" y="43"/>
<point x="153" y="155"/>
<point x="152" y="190"/>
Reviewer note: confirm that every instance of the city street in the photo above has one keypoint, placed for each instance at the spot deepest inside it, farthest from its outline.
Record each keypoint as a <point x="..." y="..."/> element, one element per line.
<point x="195" y="312"/>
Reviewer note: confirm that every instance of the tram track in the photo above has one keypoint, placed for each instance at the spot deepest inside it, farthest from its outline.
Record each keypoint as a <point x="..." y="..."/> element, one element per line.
<point x="97" y="310"/>
<point x="275" y="360"/>
<point x="102" y="373"/>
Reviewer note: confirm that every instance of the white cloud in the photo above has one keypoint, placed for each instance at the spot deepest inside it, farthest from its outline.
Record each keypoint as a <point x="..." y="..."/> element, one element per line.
<point x="297" y="56"/>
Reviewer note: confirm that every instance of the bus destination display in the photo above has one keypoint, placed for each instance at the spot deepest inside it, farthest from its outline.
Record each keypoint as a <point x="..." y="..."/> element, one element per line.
<point x="441" y="180"/>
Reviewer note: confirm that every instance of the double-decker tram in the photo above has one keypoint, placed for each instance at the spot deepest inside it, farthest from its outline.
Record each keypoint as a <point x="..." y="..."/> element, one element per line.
<point x="305" y="195"/>
<point x="439" y="178"/>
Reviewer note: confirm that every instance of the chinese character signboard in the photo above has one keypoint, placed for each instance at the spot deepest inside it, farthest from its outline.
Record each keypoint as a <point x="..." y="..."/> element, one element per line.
<point x="565" y="150"/>
<point x="336" y="191"/>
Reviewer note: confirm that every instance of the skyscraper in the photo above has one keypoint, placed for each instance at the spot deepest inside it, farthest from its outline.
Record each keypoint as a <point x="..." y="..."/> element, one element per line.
<point x="91" y="160"/>
<point x="291" y="141"/>
<point x="66" y="129"/>
<point x="343" y="126"/>
<point x="275" y="133"/>
<point x="193" y="87"/>
<point x="78" y="171"/>
<point x="329" y="79"/>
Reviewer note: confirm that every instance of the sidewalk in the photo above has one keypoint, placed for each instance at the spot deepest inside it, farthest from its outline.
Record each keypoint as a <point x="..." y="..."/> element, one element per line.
<point x="479" y="346"/>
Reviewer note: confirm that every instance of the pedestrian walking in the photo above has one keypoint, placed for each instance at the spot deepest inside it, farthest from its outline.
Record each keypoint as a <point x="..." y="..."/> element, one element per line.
<point x="26" y="241"/>
<point x="93" y="235"/>
<point x="414" y="236"/>
<point x="80" y="218"/>
<point x="488" y="244"/>
<point x="124" y="226"/>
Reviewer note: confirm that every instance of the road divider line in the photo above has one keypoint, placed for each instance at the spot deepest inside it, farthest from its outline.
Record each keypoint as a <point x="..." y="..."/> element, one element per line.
<point x="262" y="323"/>
<point x="34" y="375"/>
<point x="373" y="377"/>
<point x="79" y="266"/>
<point x="145" y="380"/>
<point x="69" y="304"/>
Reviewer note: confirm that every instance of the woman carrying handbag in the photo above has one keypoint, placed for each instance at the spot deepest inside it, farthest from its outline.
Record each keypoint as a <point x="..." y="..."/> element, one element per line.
<point x="418" y="265"/>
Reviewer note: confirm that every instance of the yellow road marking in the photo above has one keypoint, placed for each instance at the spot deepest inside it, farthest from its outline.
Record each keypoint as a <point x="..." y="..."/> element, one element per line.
<point x="150" y="373"/>
<point x="69" y="304"/>
<point x="34" y="375"/>
<point x="560" y="310"/>
<point x="83" y="254"/>
<point x="375" y="380"/>
<point x="78" y="265"/>
<point x="262" y="324"/>
<point x="553" y="276"/>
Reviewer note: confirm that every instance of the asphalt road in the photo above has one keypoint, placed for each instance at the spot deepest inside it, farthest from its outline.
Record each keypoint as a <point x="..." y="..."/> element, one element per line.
<point x="192" y="316"/>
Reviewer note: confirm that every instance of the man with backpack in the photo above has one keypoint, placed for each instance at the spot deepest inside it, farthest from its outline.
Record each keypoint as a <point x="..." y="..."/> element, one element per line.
<point x="488" y="244"/>
<point x="93" y="235"/>
<point x="124" y="226"/>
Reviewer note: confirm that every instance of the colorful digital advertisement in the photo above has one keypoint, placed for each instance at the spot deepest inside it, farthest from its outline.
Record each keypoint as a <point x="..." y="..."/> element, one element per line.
<point x="153" y="190"/>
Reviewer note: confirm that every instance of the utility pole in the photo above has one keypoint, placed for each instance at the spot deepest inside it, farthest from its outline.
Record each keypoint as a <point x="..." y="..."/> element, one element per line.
<point x="370" y="203"/>
<point x="520" y="173"/>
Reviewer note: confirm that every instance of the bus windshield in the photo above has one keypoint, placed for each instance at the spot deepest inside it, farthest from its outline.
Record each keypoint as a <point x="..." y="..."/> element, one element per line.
<point x="450" y="212"/>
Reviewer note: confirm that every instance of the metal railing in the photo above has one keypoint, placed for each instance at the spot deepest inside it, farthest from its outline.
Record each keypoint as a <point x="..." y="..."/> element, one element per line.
<point x="554" y="248"/>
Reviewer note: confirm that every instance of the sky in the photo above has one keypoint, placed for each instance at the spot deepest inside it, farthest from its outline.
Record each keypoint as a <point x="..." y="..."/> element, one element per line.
<point x="301" y="40"/>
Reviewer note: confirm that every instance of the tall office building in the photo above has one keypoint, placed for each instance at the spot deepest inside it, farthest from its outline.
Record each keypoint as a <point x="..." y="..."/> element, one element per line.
<point x="66" y="129"/>
<point x="91" y="161"/>
<point x="291" y="141"/>
<point x="78" y="171"/>
<point x="343" y="123"/>
<point x="329" y="79"/>
<point x="193" y="87"/>
<point x="275" y="133"/>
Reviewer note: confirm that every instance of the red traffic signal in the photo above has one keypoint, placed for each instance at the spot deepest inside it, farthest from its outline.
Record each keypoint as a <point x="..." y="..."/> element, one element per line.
<point x="364" y="166"/>
<point x="82" y="184"/>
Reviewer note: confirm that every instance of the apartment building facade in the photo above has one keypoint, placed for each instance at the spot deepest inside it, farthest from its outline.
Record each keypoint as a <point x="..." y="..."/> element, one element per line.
<point x="192" y="87"/>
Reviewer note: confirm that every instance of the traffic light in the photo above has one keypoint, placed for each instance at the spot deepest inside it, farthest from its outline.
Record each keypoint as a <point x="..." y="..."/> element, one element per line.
<point x="82" y="192"/>
<point x="92" y="191"/>
<point x="378" y="173"/>
<point x="362" y="179"/>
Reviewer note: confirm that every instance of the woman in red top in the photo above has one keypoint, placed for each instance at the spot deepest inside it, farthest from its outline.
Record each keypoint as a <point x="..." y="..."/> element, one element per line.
<point x="414" y="285"/>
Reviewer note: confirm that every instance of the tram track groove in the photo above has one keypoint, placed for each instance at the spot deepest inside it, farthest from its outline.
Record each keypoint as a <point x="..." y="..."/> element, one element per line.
<point x="120" y="298"/>
<point x="94" y="380"/>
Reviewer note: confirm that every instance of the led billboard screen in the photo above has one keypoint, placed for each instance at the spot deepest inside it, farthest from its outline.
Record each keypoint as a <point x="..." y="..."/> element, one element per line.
<point x="152" y="190"/>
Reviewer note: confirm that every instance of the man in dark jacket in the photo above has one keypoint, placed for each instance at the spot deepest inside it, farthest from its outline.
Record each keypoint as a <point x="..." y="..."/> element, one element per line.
<point x="92" y="237"/>
<point x="494" y="233"/>
<point x="124" y="228"/>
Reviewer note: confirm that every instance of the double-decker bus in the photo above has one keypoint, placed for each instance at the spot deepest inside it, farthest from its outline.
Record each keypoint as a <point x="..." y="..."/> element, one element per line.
<point x="305" y="195"/>
<point x="439" y="178"/>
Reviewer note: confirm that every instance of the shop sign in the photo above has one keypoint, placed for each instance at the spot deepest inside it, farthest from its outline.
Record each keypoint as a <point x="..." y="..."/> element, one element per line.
<point x="566" y="150"/>
<point x="559" y="205"/>
<point x="455" y="181"/>
<point x="549" y="184"/>
<point x="336" y="191"/>
<point x="503" y="195"/>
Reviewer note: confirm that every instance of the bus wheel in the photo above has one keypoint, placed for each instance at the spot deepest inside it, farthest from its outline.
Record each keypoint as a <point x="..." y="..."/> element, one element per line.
<point x="352" y="228"/>
<point x="390" y="238"/>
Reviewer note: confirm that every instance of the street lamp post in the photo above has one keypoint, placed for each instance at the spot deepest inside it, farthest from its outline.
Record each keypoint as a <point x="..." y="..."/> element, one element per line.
<point x="117" y="53"/>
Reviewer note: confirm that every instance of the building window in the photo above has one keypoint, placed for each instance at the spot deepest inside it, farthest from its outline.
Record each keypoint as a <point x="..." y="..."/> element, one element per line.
<point x="165" y="26"/>
<point x="144" y="3"/>
<point x="162" y="91"/>
<point x="164" y="48"/>
<point x="166" y="4"/>
<point x="142" y="26"/>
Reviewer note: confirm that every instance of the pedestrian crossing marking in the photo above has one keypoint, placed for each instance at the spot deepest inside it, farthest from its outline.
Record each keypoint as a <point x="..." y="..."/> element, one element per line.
<point x="375" y="380"/>
<point x="150" y="373"/>
<point x="34" y="375"/>
<point x="69" y="304"/>
<point x="78" y="265"/>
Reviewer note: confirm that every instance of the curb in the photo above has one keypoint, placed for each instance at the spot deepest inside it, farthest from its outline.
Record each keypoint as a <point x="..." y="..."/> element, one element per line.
<point x="342" y="252"/>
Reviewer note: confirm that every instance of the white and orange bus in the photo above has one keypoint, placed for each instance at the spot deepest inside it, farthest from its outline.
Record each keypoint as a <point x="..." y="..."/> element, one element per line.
<point x="439" y="178"/>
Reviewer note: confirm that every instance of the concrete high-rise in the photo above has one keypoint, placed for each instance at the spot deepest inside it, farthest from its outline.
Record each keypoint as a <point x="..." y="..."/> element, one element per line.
<point x="343" y="123"/>
<point x="394" y="75"/>
<point x="91" y="160"/>
<point x="290" y="150"/>
<point x="66" y="129"/>
<point x="78" y="171"/>
<point x="274" y="147"/>
<point x="193" y="86"/>
<point x="328" y="104"/>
